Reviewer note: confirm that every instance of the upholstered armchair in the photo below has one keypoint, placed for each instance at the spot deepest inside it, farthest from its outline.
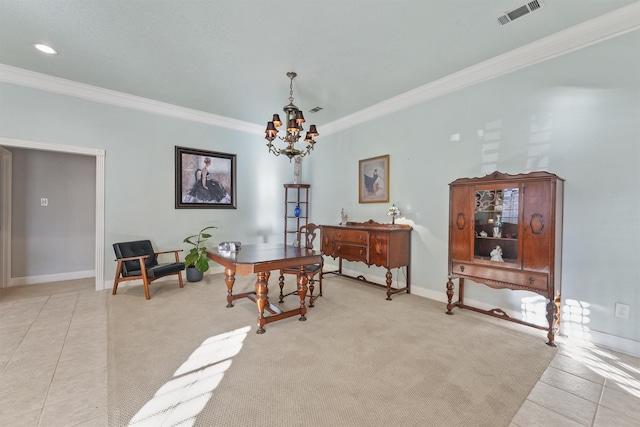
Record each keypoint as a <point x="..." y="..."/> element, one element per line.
<point x="138" y="261"/>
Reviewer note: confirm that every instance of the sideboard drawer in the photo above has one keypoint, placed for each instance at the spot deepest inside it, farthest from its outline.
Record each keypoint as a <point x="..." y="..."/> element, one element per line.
<point x="351" y="252"/>
<point x="525" y="279"/>
<point x="351" y="236"/>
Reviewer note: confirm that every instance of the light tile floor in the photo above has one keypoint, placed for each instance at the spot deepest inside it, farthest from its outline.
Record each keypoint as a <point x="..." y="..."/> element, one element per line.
<point x="53" y="360"/>
<point x="53" y="355"/>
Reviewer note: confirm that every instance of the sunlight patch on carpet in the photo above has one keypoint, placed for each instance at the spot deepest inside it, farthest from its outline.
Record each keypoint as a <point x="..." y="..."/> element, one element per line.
<point x="179" y="401"/>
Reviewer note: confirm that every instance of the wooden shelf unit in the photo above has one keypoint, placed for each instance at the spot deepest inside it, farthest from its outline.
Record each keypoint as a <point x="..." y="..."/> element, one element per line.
<point x="295" y="195"/>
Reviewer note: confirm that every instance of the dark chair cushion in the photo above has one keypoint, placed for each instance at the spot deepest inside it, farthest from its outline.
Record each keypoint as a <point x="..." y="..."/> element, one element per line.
<point x="164" y="269"/>
<point x="135" y="248"/>
<point x="308" y="268"/>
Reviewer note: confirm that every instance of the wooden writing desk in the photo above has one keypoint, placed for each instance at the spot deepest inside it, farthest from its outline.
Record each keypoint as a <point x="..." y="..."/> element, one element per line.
<point x="261" y="259"/>
<point x="383" y="245"/>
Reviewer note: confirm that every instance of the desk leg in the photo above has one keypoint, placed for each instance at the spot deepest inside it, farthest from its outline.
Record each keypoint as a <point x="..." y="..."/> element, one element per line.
<point x="229" y="279"/>
<point x="302" y="291"/>
<point x="262" y="292"/>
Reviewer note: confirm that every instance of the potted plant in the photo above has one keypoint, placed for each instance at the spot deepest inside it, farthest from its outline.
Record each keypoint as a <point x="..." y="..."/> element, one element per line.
<point x="196" y="260"/>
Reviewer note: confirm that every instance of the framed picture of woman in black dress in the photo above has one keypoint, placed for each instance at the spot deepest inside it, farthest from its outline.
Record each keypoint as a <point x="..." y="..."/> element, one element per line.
<point x="205" y="179"/>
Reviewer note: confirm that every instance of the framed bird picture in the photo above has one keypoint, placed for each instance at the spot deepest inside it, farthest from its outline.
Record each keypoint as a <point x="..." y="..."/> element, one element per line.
<point x="374" y="180"/>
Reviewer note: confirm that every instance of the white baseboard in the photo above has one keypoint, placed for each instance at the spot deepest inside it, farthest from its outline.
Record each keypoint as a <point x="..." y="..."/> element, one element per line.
<point x="601" y="339"/>
<point x="46" y="278"/>
<point x="623" y="345"/>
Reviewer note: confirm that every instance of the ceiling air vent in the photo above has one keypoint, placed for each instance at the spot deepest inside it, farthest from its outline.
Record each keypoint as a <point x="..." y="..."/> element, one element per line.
<point x="315" y="109"/>
<point x="521" y="11"/>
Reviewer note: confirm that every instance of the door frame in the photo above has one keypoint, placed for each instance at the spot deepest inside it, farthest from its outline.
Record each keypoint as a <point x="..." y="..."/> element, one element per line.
<point x="5" y="193"/>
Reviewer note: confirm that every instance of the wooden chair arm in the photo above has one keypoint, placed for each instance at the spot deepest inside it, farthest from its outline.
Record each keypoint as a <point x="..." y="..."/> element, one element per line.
<point x="141" y="257"/>
<point x="168" y="252"/>
<point x="175" y="251"/>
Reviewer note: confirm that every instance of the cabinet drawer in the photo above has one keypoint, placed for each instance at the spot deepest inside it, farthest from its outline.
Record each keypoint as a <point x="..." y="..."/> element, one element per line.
<point x="351" y="252"/>
<point x="522" y="279"/>
<point x="351" y="236"/>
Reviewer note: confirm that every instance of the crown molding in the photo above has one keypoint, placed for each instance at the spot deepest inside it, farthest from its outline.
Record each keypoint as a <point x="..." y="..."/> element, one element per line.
<point x="21" y="77"/>
<point x="604" y="27"/>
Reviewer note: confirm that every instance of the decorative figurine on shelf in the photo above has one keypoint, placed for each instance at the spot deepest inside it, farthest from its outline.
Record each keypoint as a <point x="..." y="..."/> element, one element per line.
<point x="393" y="212"/>
<point x="343" y="217"/>
<point x="496" y="254"/>
<point x="296" y="211"/>
<point x="297" y="167"/>
<point x="498" y="206"/>
<point x="497" y="227"/>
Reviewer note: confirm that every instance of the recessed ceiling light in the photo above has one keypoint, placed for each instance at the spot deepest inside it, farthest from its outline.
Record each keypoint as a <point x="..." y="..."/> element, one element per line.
<point x="46" y="49"/>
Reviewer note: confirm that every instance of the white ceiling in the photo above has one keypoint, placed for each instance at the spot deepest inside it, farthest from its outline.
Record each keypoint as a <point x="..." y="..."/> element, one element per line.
<point x="230" y="58"/>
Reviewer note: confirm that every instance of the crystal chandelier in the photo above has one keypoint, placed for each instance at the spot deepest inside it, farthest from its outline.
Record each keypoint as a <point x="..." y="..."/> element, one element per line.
<point x="293" y="121"/>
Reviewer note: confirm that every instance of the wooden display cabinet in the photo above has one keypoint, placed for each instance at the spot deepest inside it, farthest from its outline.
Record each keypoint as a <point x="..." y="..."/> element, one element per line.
<point x="295" y="196"/>
<point x="505" y="231"/>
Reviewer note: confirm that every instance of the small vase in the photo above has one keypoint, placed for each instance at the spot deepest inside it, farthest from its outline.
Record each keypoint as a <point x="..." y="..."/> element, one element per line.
<point x="343" y="217"/>
<point x="296" y="211"/>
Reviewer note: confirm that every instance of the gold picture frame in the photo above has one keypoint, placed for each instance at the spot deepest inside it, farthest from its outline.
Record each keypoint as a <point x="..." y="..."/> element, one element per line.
<point x="373" y="180"/>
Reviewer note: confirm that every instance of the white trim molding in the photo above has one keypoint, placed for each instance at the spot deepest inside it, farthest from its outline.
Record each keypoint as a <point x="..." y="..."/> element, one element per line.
<point x="21" y="77"/>
<point x="5" y="214"/>
<point x="46" y="278"/>
<point x="604" y="27"/>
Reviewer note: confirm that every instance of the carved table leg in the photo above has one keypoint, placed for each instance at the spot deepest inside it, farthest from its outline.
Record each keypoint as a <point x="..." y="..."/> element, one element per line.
<point x="281" y="284"/>
<point x="552" y="318"/>
<point x="229" y="279"/>
<point x="302" y="292"/>
<point x="262" y="292"/>
<point x="311" y="288"/>
<point x="389" y="283"/>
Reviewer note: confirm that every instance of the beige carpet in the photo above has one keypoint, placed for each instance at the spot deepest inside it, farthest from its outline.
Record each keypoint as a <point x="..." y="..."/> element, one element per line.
<point x="358" y="360"/>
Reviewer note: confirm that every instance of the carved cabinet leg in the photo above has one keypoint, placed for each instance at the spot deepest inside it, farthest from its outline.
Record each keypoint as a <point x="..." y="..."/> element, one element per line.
<point x="552" y="318"/>
<point x="449" y="296"/>
<point x="389" y="282"/>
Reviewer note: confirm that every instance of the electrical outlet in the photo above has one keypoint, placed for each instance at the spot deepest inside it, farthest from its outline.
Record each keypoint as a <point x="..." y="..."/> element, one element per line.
<point x="44" y="201"/>
<point x="622" y="310"/>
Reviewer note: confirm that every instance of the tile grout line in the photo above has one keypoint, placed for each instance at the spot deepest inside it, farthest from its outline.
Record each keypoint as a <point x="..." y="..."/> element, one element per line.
<point x="25" y="334"/>
<point x="595" y="414"/>
<point x="64" y="340"/>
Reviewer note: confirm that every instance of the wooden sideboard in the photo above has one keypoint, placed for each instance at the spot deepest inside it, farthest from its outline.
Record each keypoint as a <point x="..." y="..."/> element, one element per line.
<point x="372" y="243"/>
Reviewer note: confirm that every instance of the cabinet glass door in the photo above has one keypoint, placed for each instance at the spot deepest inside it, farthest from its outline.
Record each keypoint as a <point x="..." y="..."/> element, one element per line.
<point x="496" y="224"/>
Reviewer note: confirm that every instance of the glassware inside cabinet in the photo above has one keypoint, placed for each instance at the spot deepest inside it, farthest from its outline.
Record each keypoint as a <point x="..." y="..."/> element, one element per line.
<point x="496" y="224"/>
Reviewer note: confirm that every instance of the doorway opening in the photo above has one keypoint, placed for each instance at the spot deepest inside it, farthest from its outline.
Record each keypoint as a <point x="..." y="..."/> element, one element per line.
<point x="5" y="204"/>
